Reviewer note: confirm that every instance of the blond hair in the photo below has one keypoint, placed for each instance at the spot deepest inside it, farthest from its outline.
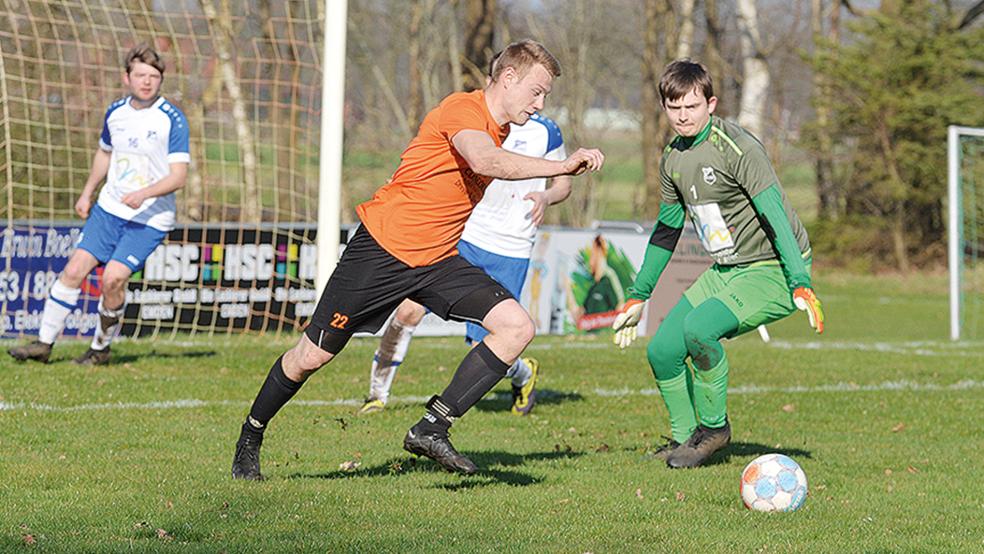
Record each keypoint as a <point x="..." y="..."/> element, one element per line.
<point x="522" y="56"/>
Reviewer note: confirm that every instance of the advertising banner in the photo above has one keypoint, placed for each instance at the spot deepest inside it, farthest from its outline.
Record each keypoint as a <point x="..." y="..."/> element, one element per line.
<point x="220" y="279"/>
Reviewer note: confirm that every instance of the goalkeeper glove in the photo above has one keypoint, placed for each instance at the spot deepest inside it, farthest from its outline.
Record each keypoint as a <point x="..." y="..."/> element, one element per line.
<point x="626" y="322"/>
<point x="806" y="300"/>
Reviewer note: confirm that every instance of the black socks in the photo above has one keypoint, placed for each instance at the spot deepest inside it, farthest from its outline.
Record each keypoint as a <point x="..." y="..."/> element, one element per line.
<point x="276" y="391"/>
<point x="476" y="375"/>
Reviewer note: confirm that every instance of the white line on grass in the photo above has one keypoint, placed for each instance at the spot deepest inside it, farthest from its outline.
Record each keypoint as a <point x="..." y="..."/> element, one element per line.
<point x="916" y="348"/>
<point x="886" y="386"/>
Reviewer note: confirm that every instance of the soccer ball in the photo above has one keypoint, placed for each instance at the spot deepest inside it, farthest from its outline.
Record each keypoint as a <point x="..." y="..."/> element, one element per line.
<point x="773" y="483"/>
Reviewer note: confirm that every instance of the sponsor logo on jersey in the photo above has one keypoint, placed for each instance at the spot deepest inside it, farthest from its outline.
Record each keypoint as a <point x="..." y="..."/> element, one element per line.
<point x="709" y="176"/>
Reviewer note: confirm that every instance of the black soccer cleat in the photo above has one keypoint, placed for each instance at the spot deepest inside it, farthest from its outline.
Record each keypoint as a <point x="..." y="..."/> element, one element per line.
<point x="699" y="447"/>
<point x="94" y="357"/>
<point x="438" y="448"/>
<point x="665" y="450"/>
<point x="246" y="463"/>
<point x="35" y="350"/>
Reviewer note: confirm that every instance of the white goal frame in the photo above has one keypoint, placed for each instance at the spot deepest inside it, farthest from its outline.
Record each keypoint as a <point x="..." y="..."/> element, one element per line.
<point x="955" y="227"/>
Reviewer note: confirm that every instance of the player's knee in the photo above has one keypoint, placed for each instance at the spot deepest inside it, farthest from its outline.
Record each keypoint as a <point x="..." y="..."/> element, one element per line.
<point x="72" y="276"/>
<point x="304" y="359"/>
<point x="410" y="313"/>
<point x="701" y="344"/>
<point x="664" y="357"/>
<point x="114" y="282"/>
<point x="514" y="325"/>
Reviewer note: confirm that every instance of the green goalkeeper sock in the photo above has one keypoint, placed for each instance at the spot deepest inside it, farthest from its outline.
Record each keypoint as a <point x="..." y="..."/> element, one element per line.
<point x="677" y="395"/>
<point x="711" y="395"/>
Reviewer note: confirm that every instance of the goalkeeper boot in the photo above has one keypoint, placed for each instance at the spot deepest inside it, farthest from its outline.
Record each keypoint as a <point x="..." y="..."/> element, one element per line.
<point x="664" y="451"/>
<point x="35" y="350"/>
<point x="371" y="406"/>
<point x="524" y="397"/>
<point x="699" y="447"/>
<point x="437" y="446"/>
<point x="94" y="357"/>
<point x="246" y="462"/>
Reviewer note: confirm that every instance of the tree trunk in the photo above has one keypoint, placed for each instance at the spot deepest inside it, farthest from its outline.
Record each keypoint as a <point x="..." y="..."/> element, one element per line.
<point x="415" y="101"/>
<point x="650" y="106"/>
<point x="685" y="43"/>
<point x="755" y="72"/>
<point x="222" y="35"/>
<point x="713" y="59"/>
<point x="479" y="34"/>
<point x="454" y="51"/>
<point x="824" y="157"/>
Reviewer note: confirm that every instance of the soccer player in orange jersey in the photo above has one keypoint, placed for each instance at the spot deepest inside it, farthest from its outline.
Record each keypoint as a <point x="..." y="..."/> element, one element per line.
<point x="406" y="248"/>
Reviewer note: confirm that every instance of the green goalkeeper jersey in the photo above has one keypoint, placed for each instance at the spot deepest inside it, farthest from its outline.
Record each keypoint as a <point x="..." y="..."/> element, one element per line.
<point x="716" y="174"/>
<point x="724" y="180"/>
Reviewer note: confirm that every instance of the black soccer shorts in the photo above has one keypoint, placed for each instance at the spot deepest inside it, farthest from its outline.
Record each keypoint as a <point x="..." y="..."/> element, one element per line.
<point x="369" y="283"/>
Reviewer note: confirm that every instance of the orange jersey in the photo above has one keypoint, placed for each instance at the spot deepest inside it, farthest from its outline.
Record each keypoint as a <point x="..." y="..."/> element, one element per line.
<point x="420" y="214"/>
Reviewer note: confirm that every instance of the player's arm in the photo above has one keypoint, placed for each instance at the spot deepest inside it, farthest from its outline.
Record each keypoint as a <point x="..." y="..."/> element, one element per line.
<point x="100" y="168"/>
<point x="485" y="158"/>
<point x="172" y="182"/>
<point x="662" y="242"/>
<point x="558" y="191"/>
<point x="767" y="202"/>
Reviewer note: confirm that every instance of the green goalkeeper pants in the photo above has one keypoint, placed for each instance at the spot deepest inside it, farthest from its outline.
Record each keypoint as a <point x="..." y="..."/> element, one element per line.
<point x="724" y="302"/>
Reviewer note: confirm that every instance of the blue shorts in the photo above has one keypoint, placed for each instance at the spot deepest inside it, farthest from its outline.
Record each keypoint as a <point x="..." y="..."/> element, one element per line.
<point x="509" y="272"/>
<point x="108" y="237"/>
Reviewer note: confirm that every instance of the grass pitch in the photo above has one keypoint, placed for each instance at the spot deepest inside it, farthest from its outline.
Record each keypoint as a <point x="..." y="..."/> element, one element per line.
<point x="882" y="412"/>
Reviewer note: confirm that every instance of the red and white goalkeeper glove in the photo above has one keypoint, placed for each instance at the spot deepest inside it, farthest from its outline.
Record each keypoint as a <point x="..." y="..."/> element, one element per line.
<point x="626" y="322"/>
<point x="806" y="300"/>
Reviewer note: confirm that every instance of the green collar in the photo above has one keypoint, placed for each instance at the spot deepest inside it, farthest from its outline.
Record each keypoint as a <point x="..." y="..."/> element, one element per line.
<point x="690" y="142"/>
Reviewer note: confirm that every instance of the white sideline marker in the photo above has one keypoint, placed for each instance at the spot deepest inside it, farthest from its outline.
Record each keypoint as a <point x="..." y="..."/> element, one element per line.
<point x="183" y="404"/>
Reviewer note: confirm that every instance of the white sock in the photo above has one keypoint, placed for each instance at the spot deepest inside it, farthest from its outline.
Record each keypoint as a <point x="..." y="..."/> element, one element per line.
<point x="110" y="322"/>
<point x="59" y="305"/>
<point x="519" y="372"/>
<point x="388" y="357"/>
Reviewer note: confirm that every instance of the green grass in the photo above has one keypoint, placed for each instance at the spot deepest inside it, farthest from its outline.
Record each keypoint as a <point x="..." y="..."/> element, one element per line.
<point x="891" y="469"/>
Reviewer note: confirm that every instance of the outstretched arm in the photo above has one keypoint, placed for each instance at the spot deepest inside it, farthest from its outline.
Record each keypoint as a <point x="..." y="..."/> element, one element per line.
<point x="485" y="158"/>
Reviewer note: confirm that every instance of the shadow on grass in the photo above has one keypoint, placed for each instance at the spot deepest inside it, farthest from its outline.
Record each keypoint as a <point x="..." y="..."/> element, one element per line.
<point x="502" y="401"/>
<point x="750" y="450"/>
<point x="484" y="477"/>
<point x="119" y="359"/>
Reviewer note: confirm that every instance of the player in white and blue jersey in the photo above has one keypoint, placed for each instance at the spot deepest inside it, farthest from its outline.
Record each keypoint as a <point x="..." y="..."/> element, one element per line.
<point x="143" y="156"/>
<point x="498" y="238"/>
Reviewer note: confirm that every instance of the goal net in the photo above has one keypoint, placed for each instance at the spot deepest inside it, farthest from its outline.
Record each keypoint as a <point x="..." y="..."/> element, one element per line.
<point x="247" y="76"/>
<point x="966" y="232"/>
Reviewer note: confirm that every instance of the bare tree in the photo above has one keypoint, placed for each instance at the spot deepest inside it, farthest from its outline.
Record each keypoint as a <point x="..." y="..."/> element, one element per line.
<point x="222" y="33"/>
<point x="685" y="42"/>
<point x="479" y="35"/>
<point x="827" y="193"/>
<point x="755" y="70"/>
<point x="653" y="60"/>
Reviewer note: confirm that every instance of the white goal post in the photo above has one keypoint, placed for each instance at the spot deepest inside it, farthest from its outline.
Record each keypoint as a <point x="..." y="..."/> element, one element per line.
<point x="955" y="227"/>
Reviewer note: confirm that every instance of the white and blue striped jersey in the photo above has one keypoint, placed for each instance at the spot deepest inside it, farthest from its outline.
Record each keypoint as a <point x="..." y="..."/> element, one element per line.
<point x="501" y="221"/>
<point x="143" y="143"/>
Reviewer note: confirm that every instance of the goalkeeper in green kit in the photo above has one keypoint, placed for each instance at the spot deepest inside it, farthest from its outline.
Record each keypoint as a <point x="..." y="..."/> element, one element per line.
<point x="719" y="174"/>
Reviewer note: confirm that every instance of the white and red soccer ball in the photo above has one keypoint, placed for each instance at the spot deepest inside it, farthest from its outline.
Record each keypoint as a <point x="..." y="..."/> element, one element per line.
<point x="773" y="483"/>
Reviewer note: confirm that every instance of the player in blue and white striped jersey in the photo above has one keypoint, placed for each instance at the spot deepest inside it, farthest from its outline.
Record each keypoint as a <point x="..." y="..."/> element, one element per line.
<point x="143" y="155"/>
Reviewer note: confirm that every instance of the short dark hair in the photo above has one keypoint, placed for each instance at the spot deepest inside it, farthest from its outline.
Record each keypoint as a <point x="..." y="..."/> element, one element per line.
<point x="682" y="77"/>
<point x="144" y="54"/>
<point x="522" y="56"/>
